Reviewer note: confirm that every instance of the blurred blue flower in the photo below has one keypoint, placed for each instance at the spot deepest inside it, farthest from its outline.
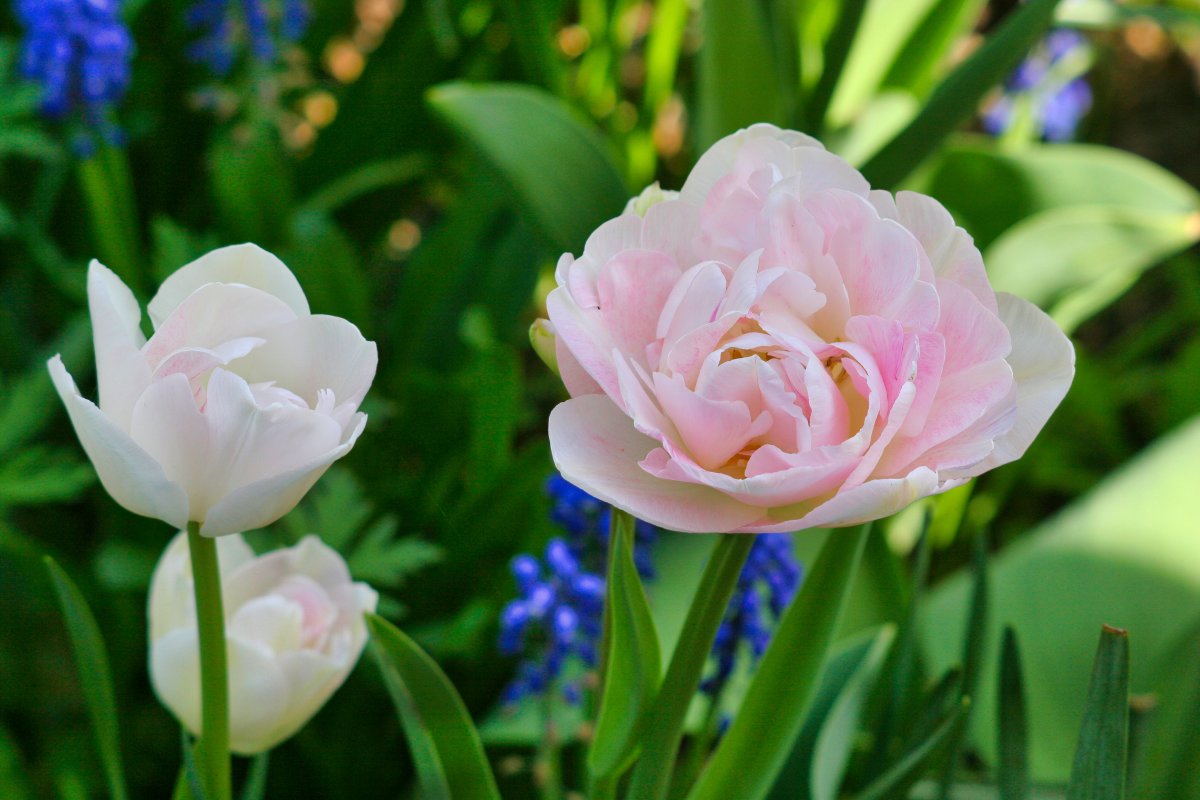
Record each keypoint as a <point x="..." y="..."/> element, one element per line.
<point x="1058" y="99"/>
<point x="80" y="52"/>
<point x="228" y="26"/>
<point x="767" y="584"/>
<point x="559" y="611"/>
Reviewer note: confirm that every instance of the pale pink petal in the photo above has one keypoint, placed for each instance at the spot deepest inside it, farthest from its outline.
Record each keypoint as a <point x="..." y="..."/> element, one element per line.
<point x="692" y="302"/>
<point x="313" y="354"/>
<point x="1043" y="365"/>
<point x="573" y="375"/>
<point x="213" y="314"/>
<point x="128" y="473"/>
<point x="972" y="332"/>
<point x="596" y="447"/>
<point x="632" y="289"/>
<point x="872" y="500"/>
<point x="246" y="264"/>
<point x="258" y="504"/>
<point x="582" y="331"/>
<point x="713" y="431"/>
<point x="167" y="424"/>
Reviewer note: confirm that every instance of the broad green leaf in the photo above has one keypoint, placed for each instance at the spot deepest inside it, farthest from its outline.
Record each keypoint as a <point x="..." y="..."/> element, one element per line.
<point x="1164" y="760"/>
<point x="1102" y="750"/>
<point x="632" y="667"/>
<point x="836" y="741"/>
<point x="751" y="753"/>
<point x="91" y="663"/>
<point x="736" y="83"/>
<point x="12" y="772"/>
<point x="1013" y="734"/>
<point x="909" y="767"/>
<point x="28" y="401"/>
<point x="1077" y="260"/>
<point x="989" y="189"/>
<point x="450" y="761"/>
<point x="884" y="117"/>
<point x="520" y="130"/>
<point x="957" y="97"/>
<point x="533" y="38"/>
<point x="1121" y="554"/>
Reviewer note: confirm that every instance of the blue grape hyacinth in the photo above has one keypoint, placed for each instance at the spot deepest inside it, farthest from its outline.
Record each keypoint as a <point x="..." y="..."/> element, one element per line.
<point x="80" y="52"/>
<point x="558" y="614"/>
<point x="259" y="27"/>
<point x="1051" y="84"/>
<point x="768" y="582"/>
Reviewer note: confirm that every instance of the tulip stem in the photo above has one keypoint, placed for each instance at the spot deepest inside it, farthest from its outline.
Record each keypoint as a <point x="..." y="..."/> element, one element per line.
<point x="212" y="753"/>
<point x="660" y="744"/>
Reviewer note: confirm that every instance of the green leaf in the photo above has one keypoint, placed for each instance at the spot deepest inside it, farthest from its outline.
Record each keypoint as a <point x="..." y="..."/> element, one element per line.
<point x="1102" y="751"/>
<point x="450" y="761"/>
<point x="28" y="402"/>
<point x="989" y="189"/>
<point x="763" y="733"/>
<point x="255" y="787"/>
<point x="91" y="662"/>
<point x="910" y="766"/>
<point x="520" y="130"/>
<point x="957" y="97"/>
<point x="632" y="667"/>
<point x="1125" y="552"/>
<point x="736" y="83"/>
<point x="368" y="178"/>
<point x="1109" y="15"/>
<point x="927" y="49"/>
<point x="533" y="37"/>
<point x="40" y="475"/>
<point x="381" y="559"/>
<point x="837" y="50"/>
<point x="1012" y="770"/>
<point x="12" y="772"/>
<point x="252" y="184"/>
<point x="1163" y="761"/>
<point x="1078" y="260"/>
<point x="327" y="265"/>
<point x="336" y="509"/>
<point x="836" y="740"/>
<point x="175" y="245"/>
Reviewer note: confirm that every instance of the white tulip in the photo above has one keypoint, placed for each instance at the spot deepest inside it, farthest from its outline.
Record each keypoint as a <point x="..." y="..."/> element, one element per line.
<point x="294" y="630"/>
<point x="236" y="405"/>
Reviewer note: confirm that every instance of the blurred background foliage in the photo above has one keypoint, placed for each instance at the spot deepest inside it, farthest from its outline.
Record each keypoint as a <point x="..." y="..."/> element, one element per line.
<point x="420" y="164"/>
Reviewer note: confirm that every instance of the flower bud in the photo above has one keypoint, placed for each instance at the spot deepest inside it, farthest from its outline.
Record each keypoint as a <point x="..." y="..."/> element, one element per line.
<point x="294" y="630"/>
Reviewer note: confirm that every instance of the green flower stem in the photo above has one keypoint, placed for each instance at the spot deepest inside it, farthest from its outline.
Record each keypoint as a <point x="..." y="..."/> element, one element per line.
<point x="213" y="748"/>
<point x="664" y="730"/>
<point x="108" y="192"/>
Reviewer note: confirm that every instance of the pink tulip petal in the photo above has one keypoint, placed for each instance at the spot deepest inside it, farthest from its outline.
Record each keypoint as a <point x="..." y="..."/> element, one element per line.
<point x="596" y="448"/>
<point x="872" y="500"/>
<point x="632" y="289"/>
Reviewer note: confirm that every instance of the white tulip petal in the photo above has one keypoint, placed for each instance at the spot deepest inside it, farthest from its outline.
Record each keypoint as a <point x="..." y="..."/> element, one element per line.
<point x="246" y="264"/>
<point x="128" y="473"/>
<point x="214" y="314"/>
<point x="271" y="621"/>
<point x="258" y="504"/>
<point x="167" y="424"/>
<point x="311" y="558"/>
<point x="312" y="354"/>
<point x="121" y="372"/>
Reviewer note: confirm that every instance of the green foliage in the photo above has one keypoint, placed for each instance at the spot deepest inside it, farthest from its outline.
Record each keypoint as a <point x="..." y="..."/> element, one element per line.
<point x="1101" y="752"/>
<point x="632" y="675"/>
<point x="441" y="737"/>
<point x="91" y="664"/>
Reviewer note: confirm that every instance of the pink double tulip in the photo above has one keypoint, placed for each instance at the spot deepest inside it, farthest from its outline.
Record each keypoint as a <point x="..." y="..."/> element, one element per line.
<point x="778" y="347"/>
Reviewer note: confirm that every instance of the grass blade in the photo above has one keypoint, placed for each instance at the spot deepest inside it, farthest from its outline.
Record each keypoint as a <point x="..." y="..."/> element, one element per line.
<point x="449" y="757"/>
<point x="1013" y="777"/>
<point x="1100" y="756"/>
<point x="956" y="98"/>
<point x="95" y="678"/>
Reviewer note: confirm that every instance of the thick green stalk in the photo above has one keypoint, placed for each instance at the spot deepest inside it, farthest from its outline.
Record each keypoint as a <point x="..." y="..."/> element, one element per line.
<point x="660" y="743"/>
<point x="213" y="748"/>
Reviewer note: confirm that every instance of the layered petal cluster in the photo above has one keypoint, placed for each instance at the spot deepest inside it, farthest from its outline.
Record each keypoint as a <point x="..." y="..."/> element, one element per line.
<point x="294" y="629"/>
<point x="778" y="347"/>
<point x="236" y="404"/>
